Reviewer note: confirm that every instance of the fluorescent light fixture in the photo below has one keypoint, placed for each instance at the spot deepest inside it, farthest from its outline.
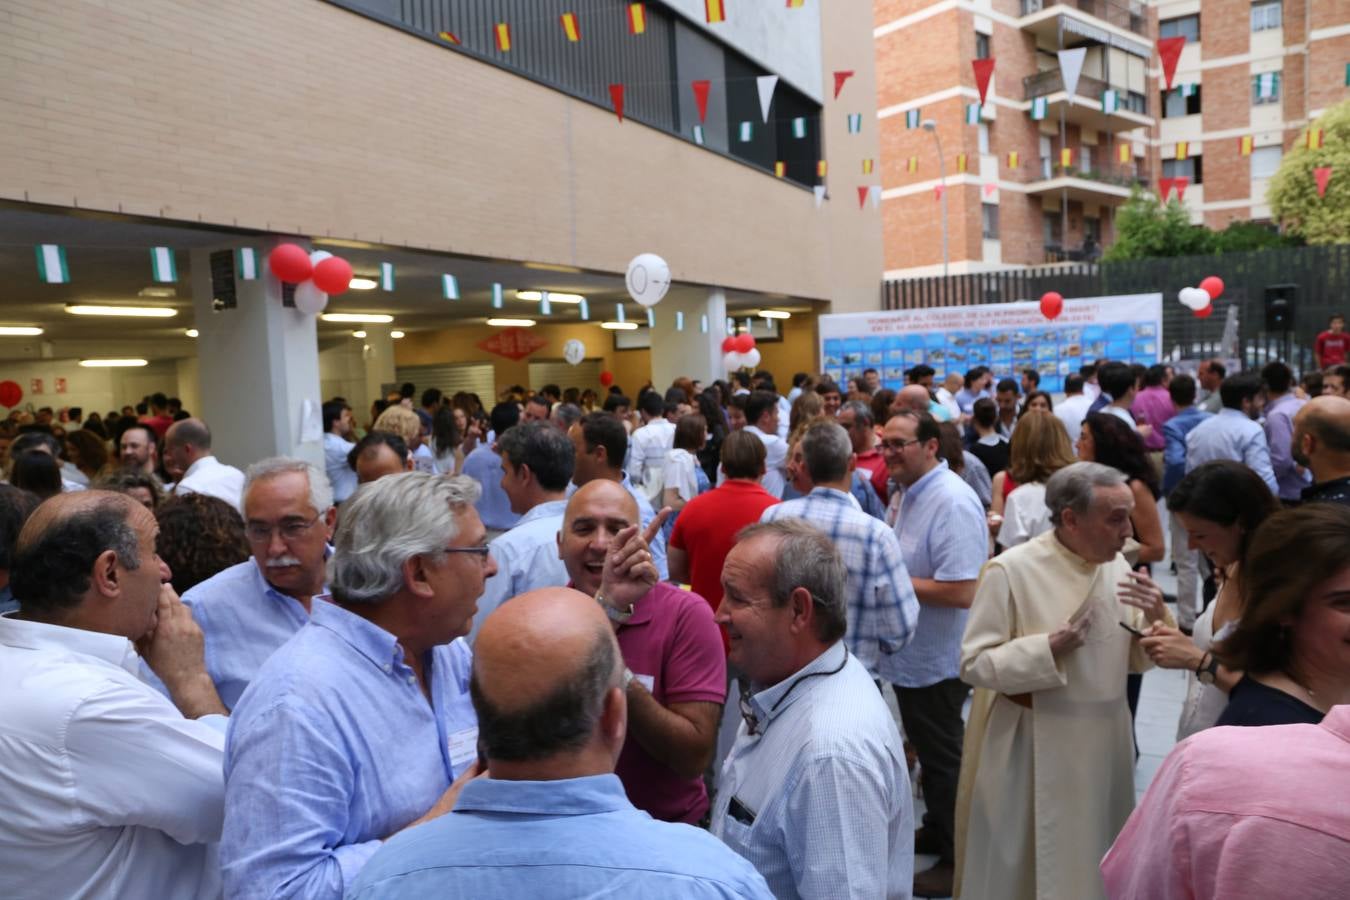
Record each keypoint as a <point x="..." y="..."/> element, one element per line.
<point x="358" y="318"/>
<point x="363" y="284"/>
<point x="192" y="332"/>
<point x="143" y="312"/>
<point x="549" y="267"/>
<point x="111" y="363"/>
<point x="619" y="326"/>
<point x="511" y="323"/>
<point x="19" y="331"/>
<point x="157" y="292"/>
<point x="536" y="296"/>
<point x="396" y="334"/>
<point x="358" y="334"/>
<point x="774" y="314"/>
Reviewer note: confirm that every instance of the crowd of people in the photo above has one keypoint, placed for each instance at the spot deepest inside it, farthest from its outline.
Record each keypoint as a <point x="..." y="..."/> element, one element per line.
<point x="578" y="644"/>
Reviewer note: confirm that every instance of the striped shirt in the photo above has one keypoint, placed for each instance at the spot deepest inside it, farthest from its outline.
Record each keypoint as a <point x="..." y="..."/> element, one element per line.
<point x="818" y="799"/>
<point x="882" y="608"/>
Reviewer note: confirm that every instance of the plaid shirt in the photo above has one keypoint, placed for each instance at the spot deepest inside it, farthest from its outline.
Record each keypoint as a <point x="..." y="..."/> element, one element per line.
<point x="882" y="608"/>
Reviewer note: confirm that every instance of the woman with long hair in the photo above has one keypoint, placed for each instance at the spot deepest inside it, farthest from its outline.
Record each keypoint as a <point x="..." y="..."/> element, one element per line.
<point x="1108" y="440"/>
<point x="86" y="452"/>
<point x="1039" y="448"/>
<point x="447" y="440"/>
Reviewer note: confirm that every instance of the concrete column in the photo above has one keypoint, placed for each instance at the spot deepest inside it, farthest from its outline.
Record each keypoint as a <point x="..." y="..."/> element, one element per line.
<point x="377" y="353"/>
<point x="689" y="352"/>
<point x="259" y="363"/>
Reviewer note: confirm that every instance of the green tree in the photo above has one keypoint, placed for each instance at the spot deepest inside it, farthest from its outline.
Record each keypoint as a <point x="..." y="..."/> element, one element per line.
<point x="1292" y="192"/>
<point x="1146" y="228"/>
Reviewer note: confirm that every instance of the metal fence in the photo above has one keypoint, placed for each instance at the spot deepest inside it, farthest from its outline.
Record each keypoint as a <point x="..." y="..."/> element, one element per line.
<point x="1320" y="277"/>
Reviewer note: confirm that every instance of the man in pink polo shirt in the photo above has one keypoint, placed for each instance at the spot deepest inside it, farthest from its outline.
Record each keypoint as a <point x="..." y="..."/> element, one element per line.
<point x="676" y="670"/>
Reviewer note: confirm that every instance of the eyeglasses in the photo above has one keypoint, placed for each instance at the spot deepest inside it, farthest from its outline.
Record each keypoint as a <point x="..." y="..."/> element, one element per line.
<point x="481" y="551"/>
<point x="291" y="530"/>
<point x="748" y="711"/>
<point x="896" y="446"/>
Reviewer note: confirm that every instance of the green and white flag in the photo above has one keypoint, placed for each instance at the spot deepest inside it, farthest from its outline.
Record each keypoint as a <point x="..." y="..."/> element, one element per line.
<point x="698" y="135"/>
<point x="1039" y="107"/>
<point x="496" y="295"/>
<point x="854" y="123"/>
<point x="1110" y="101"/>
<point x="651" y="318"/>
<point x="162" y="265"/>
<point x="972" y="113"/>
<point x="618" y="313"/>
<point x="912" y="118"/>
<point x="585" y="310"/>
<point x="246" y="264"/>
<point x="799" y="127"/>
<point x="1267" y="83"/>
<point x="1186" y="90"/>
<point x="819" y="191"/>
<point x="545" y="307"/>
<point x="51" y="262"/>
<point x="449" y="287"/>
<point x="679" y="320"/>
<point x="747" y="131"/>
<point x="386" y="276"/>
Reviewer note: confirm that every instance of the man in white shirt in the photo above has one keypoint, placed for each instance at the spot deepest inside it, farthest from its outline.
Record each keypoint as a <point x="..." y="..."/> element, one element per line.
<point x="1072" y="410"/>
<point x="109" y="790"/>
<point x="648" y="445"/>
<point x="946" y="395"/>
<point x="337" y="443"/>
<point x="761" y="416"/>
<point x="187" y="457"/>
<point x="1118" y="382"/>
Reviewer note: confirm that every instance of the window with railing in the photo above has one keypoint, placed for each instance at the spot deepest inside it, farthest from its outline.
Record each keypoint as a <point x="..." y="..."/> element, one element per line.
<point x="989" y="221"/>
<point x="1265" y="88"/>
<point x="1183" y="100"/>
<point x="1266" y="161"/>
<point x="1267" y="15"/>
<point x="656" y="69"/>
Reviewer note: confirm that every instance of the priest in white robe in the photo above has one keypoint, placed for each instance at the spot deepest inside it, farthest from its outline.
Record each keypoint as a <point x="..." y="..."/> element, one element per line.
<point x="1047" y="773"/>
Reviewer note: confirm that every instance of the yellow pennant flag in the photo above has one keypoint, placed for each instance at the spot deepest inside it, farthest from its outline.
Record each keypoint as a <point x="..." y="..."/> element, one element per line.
<point x="502" y="32"/>
<point x="795" y="4"/>
<point x="1012" y="159"/>
<point x="1245" y="145"/>
<point x="1183" y="149"/>
<point x="821" y="168"/>
<point x="779" y="169"/>
<point x="913" y="165"/>
<point x="1124" y="153"/>
<point x="1066" y="157"/>
<point x="716" y="11"/>
<point x="960" y="162"/>
<point x="1314" y="138"/>
<point x="570" y="27"/>
<point x="637" y="18"/>
<point x="867" y="167"/>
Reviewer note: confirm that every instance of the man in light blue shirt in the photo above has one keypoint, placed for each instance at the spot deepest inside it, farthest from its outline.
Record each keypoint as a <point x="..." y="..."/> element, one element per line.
<point x="484" y="466"/>
<point x="538" y="460"/>
<point x="551" y="819"/>
<point x="358" y="726"/>
<point x="337" y="443"/>
<point x="943" y="537"/>
<point x="1233" y="433"/>
<point x="1281" y="407"/>
<point x="250" y="609"/>
<point x="601" y="444"/>
<point x="815" y="792"/>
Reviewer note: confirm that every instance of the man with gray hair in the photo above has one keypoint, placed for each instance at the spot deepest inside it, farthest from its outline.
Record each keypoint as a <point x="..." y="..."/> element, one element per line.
<point x="188" y="459"/>
<point x="815" y="792"/>
<point x="1047" y="778"/>
<point x="250" y="609"/>
<point x="857" y="419"/>
<point x="879" y="599"/>
<point x="359" y="726"/>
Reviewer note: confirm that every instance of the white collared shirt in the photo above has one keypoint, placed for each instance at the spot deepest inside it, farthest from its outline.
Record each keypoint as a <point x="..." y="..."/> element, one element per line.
<point x="647" y="449"/>
<point x="209" y="475"/>
<point x="775" y="461"/>
<point x="109" y="791"/>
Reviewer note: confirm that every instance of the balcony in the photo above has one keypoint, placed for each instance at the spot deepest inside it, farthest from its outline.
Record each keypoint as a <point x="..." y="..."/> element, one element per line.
<point x="1099" y="184"/>
<point x="1132" y="17"/>
<point x="1086" y="108"/>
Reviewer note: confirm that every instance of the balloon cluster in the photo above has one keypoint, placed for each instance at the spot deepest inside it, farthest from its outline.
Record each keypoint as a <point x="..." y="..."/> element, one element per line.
<point x="1200" y="300"/>
<point x="739" y="352"/>
<point x="315" y="275"/>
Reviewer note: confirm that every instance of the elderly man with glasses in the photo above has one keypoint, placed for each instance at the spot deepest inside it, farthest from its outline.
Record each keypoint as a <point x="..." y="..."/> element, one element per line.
<point x="249" y="610"/>
<point x="362" y="724"/>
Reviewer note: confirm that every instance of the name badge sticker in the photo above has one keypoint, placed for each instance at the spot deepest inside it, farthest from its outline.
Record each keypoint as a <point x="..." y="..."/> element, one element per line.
<point x="463" y="748"/>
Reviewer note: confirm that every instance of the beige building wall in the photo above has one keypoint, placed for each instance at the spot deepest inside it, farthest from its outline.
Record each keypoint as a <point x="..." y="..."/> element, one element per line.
<point x="300" y="117"/>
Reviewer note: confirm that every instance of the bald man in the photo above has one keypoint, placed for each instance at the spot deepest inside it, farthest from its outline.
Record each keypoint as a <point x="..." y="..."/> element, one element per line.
<point x="188" y="460"/>
<point x="111" y="789"/>
<point x="670" y="645"/>
<point x="551" y="819"/>
<point x="1321" y="442"/>
<point x="916" y="399"/>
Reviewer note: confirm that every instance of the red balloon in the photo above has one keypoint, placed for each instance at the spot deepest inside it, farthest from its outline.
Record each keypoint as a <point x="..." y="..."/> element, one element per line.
<point x="1052" y="304"/>
<point x="1205" y="313"/>
<point x="606" y="378"/>
<point x="10" y="393"/>
<point x="290" y="263"/>
<point x="729" y="344"/>
<point x="1213" y="285"/>
<point x="333" y="275"/>
<point x="744" y="342"/>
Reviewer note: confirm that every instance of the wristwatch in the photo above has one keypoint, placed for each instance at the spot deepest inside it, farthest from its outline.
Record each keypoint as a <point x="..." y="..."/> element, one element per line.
<point x="1207" y="672"/>
<point x="615" y="615"/>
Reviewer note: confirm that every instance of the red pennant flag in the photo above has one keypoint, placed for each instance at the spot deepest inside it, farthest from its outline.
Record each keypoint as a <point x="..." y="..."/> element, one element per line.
<point x="1165" y="186"/>
<point x="701" y="98"/>
<point x="937" y="191"/>
<point x="839" y="78"/>
<point x="616" y="97"/>
<point x="1323" y="176"/>
<point x="989" y="189"/>
<point x="984" y="70"/>
<point x="1182" y="184"/>
<point x="1169" y="51"/>
<point x="862" y="195"/>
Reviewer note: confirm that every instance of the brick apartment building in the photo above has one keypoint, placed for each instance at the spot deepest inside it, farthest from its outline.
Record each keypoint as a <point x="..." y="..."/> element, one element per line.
<point x="1038" y="176"/>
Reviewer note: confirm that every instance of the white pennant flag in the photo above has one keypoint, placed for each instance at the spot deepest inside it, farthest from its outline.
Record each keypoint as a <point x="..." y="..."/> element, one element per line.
<point x="545" y="306"/>
<point x="875" y="192"/>
<point x="1070" y="68"/>
<point x="820" y="194"/>
<point x="679" y="320"/>
<point x="449" y="287"/>
<point x="766" y="85"/>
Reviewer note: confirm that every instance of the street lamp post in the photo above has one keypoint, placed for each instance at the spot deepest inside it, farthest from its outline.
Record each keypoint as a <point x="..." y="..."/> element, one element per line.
<point x="930" y="126"/>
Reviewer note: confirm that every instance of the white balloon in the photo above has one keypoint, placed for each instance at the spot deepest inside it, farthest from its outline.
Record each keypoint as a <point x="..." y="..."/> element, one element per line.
<point x="574" y="352"/>
<point x="752" y="358"/>
<point x="1193" y="298"/>
<point x="309" y="299"/>
<point x="318" y="256"/>
<point x="648" y="279"/>
<point x="733" y="361"/>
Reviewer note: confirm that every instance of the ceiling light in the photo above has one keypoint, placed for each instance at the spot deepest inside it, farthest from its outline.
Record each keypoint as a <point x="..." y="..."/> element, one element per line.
<point x="774" y="314"/>
<point x="157" y="292"/>
<point x="363" y="284"/>
<point x="536" y="296"/>
<point x="358" y="334"/>
<point x="145" y="312"/>
<point x="619" y="326"/>
<point x="192" y="332"/>
<point x="549" y="267"/>
<point x="396" y="334"/>
<point x="111" y="363"/>
<point x="358" y="318"/>
<point x="19" y="331"/>
<point x="509" y="323"/>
